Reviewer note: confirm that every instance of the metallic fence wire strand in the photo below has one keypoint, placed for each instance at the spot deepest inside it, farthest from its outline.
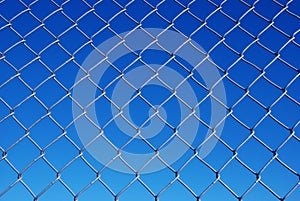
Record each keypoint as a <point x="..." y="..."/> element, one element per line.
<point x="138" y="23"/>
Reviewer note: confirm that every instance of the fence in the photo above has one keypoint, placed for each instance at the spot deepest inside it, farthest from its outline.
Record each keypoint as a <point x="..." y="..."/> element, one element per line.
<point x="149" y="100"/>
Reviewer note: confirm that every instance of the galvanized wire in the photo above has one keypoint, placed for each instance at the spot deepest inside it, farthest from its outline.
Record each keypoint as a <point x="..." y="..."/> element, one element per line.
<point x="72" y="55"/>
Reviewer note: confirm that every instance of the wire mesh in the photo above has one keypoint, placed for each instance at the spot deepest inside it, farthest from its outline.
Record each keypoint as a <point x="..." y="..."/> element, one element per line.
<point x="254" y="47"/>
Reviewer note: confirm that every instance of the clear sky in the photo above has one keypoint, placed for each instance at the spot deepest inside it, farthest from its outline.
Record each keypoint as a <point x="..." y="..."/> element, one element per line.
<point x="239" y="76"/>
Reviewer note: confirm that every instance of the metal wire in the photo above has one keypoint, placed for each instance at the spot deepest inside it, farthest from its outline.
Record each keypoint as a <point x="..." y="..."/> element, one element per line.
<point x="39" y="21"/>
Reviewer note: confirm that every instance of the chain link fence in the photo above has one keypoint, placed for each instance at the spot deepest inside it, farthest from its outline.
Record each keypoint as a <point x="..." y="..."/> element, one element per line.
<point x="149" y="100"/>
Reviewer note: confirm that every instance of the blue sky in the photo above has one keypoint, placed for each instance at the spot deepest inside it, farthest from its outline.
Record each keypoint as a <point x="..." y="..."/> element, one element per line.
<point x="254" y="47"/>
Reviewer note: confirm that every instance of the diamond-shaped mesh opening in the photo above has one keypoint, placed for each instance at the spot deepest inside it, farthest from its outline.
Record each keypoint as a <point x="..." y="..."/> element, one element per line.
<point x="149" y="100"/>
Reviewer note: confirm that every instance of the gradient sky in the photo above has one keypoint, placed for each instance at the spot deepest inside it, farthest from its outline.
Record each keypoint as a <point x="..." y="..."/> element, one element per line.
<point x="42" y="45"/>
